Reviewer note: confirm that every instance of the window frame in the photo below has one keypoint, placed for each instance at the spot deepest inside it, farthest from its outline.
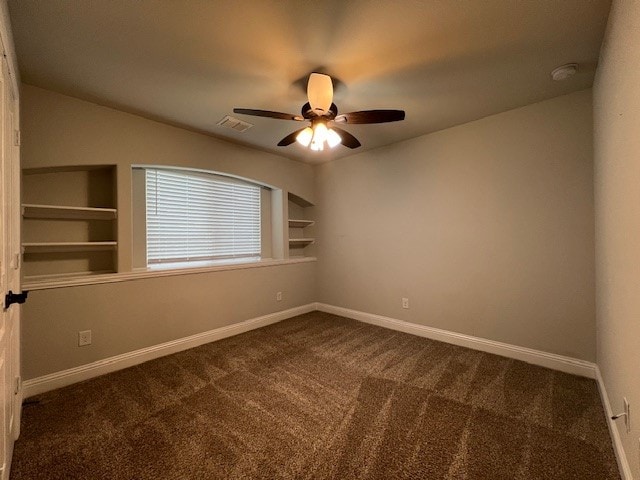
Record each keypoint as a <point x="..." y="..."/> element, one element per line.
<point x="140" y="245"/>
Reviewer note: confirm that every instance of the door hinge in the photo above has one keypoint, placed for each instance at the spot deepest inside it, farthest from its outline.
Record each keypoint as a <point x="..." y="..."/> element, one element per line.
<point x="18" y="386"/>
<point x="16" y="138"/>
<point x="11" y="298"/>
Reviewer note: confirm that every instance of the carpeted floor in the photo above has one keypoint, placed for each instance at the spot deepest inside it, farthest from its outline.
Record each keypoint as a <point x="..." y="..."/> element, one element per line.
<point x="320" y="397"/>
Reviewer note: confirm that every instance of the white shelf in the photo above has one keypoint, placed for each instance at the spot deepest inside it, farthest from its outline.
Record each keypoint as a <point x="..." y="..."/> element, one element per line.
<point x="34" y="247"/>
<point x="63" y="212"/>
<point x="300" y="242"/>
<point x="61" y="277"/>
<point x="300" y="223"/>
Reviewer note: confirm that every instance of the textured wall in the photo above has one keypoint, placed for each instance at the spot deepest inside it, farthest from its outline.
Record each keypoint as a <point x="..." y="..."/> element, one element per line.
<point x="487" y="228"/>
<point x="617" y="208"/>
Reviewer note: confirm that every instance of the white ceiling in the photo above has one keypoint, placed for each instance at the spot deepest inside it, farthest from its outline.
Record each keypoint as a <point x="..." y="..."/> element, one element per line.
<point x="189" y="62"/>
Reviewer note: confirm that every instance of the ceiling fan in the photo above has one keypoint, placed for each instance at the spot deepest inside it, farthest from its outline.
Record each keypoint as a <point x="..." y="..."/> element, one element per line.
<point x="322" y="114"/>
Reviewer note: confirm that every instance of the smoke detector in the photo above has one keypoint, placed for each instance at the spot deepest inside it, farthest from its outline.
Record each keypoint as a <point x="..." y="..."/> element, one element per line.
<point x="234" y="124"/>
<point x="564" y="71"/>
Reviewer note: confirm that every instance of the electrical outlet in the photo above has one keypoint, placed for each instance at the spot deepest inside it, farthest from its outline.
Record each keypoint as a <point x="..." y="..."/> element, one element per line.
<point x="405" y="302"/>
<point x="84" y="338"/>
<point x="279" y="296"/>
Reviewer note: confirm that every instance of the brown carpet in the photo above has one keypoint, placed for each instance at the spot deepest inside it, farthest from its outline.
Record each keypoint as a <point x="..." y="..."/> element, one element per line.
<point x="320" y="397"/>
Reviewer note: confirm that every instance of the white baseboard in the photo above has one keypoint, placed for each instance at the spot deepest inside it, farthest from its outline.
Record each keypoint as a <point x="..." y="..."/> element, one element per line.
<point x="55" y="380"/>
<point x="535" y="357"/>
<point x="621" y="457"/>
<point x="63" y="378"/>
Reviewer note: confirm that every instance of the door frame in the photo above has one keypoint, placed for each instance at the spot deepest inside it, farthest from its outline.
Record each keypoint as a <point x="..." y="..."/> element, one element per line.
<point x="11" y="263"/>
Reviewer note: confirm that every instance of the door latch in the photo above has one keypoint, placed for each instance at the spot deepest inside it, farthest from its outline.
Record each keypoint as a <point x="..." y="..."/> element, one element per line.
<point x="11" y="298"/>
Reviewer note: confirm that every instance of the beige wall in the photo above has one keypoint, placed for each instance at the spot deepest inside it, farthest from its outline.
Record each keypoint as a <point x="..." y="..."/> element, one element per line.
<point x="140" y="313"/>
<point x="617" y="209"/>
<point x="487" y="228"/>
<point x="60" y="130"/>
<point x="57" y="131"/>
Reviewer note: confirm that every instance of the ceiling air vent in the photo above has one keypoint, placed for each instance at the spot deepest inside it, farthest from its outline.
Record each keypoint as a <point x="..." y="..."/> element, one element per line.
<point x="234" y="124"/>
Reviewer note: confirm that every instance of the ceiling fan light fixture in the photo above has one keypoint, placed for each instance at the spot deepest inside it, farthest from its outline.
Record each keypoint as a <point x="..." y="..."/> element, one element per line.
<point x="316" y="147"/>
<point x="305" y="136"/>
<point x="316" y="136"/>
<point x="320" y="92"/>
<point x="333" y="138"/>
<point x="320" y="111"/>
<point x="320" y="133"/>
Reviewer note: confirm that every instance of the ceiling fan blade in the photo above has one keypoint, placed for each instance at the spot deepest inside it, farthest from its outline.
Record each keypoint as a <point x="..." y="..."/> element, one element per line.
<point x="289" y="139"/>
<point x="348" y="140"/>
<point x="371" y="116"/>
<point x="268" y="114"/>
<point x="320" y="92"/>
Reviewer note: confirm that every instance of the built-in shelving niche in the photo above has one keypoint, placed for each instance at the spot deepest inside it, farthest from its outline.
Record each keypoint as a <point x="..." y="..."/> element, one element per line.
<point x="301" y="227"/>
<point x="68" y="222"/>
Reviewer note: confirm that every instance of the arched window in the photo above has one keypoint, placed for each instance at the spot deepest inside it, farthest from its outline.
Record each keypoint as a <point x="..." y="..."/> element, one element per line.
<point x="194" y="216"/>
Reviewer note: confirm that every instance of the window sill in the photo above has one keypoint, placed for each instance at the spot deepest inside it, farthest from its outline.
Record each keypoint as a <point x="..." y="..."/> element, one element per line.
<point x="159" y="267"/>
<point x="167" y="270"/>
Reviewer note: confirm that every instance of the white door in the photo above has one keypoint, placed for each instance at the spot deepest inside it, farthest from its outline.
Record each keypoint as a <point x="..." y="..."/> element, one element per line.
<point x="10" y="263"/>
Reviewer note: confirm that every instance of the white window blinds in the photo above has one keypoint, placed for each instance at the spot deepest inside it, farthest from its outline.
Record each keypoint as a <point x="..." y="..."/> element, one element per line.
<point x="193" y="216"/>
